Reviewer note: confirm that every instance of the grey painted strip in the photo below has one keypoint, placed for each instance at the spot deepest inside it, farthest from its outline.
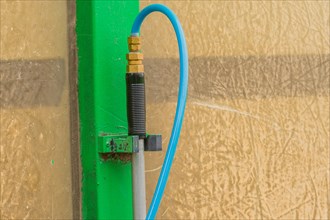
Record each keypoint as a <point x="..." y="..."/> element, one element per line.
<point x="28" y="83"/>
<point x="245" y="77"/>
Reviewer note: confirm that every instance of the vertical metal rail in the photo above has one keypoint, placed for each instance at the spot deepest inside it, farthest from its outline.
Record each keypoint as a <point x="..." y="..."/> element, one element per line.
<point x="102" y="27"/>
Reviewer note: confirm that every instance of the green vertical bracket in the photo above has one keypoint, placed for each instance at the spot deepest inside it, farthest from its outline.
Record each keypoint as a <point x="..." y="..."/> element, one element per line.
<point x="102" y="30"/>
<point x="120" y="144"/>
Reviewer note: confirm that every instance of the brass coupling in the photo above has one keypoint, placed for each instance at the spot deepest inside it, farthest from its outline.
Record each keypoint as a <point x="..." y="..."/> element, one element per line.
<point x="134" y="57"/>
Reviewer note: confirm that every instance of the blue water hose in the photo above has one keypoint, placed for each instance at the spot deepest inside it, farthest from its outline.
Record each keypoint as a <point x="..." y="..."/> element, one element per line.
<point x="181" y="104"/>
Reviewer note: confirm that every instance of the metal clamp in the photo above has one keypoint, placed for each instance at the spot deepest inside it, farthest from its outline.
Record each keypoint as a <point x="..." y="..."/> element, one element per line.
<point x="153" y="142"/>
<point x="118" y="143"/>
<point x="127" y="143"/>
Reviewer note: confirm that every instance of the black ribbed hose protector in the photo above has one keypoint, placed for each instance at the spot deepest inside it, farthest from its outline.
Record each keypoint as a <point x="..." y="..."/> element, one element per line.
<point x="136" y="108"/>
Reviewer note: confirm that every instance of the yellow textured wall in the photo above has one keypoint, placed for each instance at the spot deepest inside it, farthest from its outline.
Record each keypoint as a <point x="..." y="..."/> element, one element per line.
<point x="233" y="28"/>
<point x="35" y="137"/>
<point x="255" y="140"/>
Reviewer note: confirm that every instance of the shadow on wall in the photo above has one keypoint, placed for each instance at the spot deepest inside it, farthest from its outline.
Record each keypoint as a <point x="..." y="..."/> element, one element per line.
<point x="31" y="83"/>
<point x="243" y="77"/>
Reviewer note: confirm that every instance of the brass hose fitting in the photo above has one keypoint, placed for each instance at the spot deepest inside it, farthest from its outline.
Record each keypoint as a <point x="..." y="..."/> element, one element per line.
<point x="134" y="57"/>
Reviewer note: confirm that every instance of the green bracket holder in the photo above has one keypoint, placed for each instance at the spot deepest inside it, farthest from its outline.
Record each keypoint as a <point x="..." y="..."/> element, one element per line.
<point x="118" y="144"/>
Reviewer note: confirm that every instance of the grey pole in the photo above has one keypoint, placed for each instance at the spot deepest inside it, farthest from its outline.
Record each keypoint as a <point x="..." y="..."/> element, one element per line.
<point x="139" y="185"/>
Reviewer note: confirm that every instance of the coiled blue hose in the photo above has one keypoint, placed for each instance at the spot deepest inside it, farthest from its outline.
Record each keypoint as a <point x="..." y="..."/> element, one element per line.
<point x="181" y="104"/>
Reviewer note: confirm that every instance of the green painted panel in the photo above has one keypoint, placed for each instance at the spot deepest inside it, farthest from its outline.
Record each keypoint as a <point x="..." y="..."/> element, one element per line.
<point x="102" y="31"/>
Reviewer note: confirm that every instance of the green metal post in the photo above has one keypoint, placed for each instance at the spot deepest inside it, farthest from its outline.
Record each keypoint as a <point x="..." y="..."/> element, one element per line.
<point x="102" y="30"/>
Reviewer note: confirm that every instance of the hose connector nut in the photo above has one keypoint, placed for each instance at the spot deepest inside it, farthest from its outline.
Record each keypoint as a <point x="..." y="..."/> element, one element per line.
<point x="134" y="43"/>
<point x="135" y="69"/>
<point x="134" y="40"/>
<point x="134" y="47"/>
<point x="134" y="56"/>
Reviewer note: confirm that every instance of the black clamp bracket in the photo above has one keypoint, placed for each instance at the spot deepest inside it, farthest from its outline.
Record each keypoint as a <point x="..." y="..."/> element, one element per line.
<point x="153" y="142"/>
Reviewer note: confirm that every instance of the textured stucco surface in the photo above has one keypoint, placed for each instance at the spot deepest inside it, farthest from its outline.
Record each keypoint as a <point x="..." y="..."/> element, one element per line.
<point x="35" y="168"/>
<point x="255" y="140"/>
<point x="230" y="28"/>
